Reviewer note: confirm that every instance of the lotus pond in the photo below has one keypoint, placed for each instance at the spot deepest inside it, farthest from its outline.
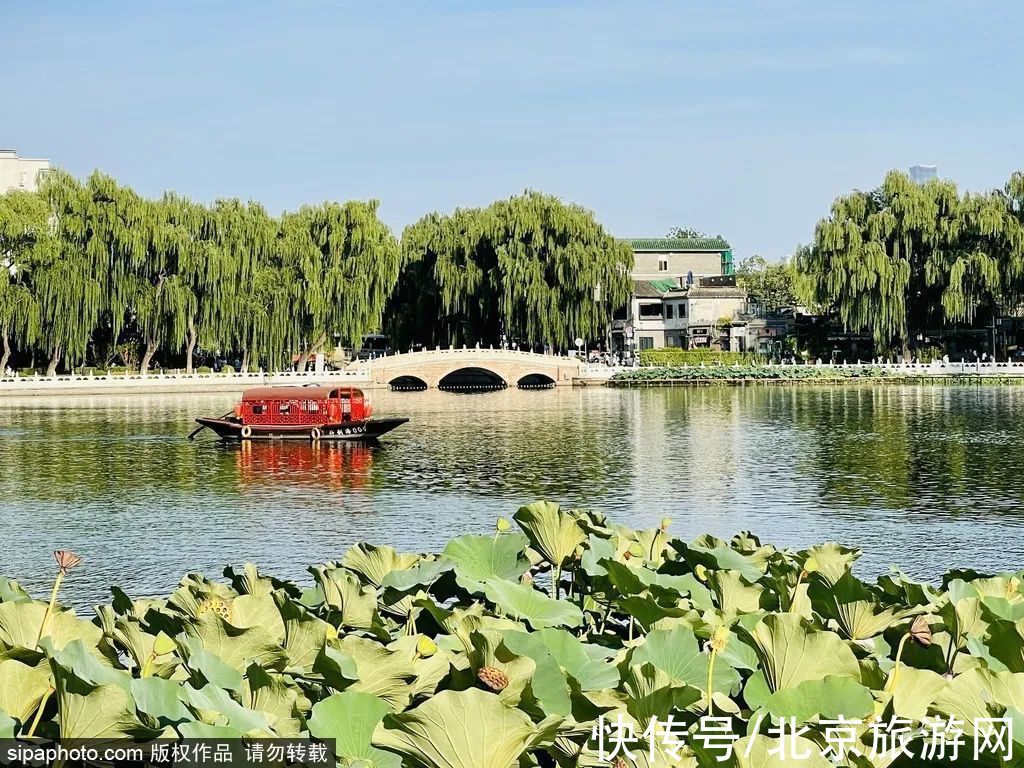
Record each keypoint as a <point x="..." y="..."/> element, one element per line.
<point x="515" y="648"/>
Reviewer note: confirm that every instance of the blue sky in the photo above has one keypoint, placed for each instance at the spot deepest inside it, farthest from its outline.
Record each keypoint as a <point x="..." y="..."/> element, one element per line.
<point x="741" y="119"/>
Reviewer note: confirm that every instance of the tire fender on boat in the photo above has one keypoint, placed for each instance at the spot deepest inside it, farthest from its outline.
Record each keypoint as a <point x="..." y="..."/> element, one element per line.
<point x="314" y="434"/>
<point x="246" y="431"/>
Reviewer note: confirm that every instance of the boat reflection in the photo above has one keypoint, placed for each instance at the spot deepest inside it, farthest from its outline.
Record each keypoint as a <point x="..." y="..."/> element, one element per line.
<point x="331" y="465"/>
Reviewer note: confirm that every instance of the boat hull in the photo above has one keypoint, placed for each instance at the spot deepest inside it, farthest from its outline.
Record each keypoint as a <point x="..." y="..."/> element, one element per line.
<point x="369" y="429"/>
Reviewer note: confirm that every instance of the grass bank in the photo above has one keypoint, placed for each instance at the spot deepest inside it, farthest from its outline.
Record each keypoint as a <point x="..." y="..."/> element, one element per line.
<point x="515" y="648"/>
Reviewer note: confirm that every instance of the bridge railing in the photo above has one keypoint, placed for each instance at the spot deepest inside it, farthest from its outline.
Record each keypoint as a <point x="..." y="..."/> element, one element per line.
<point x="489" y="351"/>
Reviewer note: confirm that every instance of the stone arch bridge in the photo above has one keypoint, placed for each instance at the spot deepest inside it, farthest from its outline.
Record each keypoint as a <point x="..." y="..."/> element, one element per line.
<point x="470" y="368"/>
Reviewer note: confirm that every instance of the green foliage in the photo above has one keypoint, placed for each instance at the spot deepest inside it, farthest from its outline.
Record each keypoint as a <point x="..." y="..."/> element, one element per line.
<point x="403" y="665"/>
<point x="97" y="271"/>
<point x="906" y="257"/>
<point x="678" y="356"/>
<point x="747" y="372"/>
<point x="772" y="285"/>
<point x="204" y="369"/>
<point x="530" y="268"/>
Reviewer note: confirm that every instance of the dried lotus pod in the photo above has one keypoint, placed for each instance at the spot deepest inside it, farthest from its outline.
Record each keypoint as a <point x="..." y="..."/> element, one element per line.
<point x="493" y="678"/>
<point x="66" y="559"/>
<point x="920" y="632"/>
<point x="218" y="605"/>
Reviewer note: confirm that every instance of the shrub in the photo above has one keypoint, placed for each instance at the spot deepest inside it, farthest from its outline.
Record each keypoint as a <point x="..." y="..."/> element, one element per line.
<point x="746" y="372"/>
<point x="227" y="369"/>
<point x="204" y="369"/>
<point x="679" y="356"/>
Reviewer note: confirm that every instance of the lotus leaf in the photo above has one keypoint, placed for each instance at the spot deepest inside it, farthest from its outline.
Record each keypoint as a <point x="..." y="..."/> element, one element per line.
<point x="385" y="674"/>
<point x="791" y="652"/>
<point x="22" y="687"/>
<point x="677" y="653"/>
<point x="462" y="729"/>
<point x="374" y="564"/>
<point x="524" y="602"/>
<point x="479" y="558"/>
<point x="830" y="697"/>
<point x="552" y="532"/>
<point x="350" y="719"/>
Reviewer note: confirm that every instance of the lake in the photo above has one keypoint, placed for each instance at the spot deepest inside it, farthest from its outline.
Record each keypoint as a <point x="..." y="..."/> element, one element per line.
<point x="928" y="478"/>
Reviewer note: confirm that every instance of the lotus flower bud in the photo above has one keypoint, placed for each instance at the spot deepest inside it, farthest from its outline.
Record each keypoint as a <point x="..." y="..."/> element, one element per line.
<point x="620" y="763"/>
<point x="503" y="525"/>
<point x="811" y="565"/>
<point x="665" y="523"/>
<point x="163" y="645"/>
<point x="425" y="647"/>
<point x="493" y="678"/>
<point x="66" y="559"/>
<point x="720" y="639"/>
<point x="920" y="632"/>
<point x="527" y="578"/>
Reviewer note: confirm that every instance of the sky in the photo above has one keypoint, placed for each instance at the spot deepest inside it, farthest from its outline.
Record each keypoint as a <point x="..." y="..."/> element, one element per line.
<point x="743" y="119"/>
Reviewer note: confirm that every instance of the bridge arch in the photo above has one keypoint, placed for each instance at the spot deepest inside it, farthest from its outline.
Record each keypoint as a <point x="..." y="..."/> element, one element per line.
<point x="536" y="381"/>
<point x="471" y="379"/>
<point x="407" y="383"/>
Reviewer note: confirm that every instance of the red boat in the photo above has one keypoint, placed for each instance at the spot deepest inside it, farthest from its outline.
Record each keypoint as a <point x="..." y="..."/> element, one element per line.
<point x="304" y="413"/>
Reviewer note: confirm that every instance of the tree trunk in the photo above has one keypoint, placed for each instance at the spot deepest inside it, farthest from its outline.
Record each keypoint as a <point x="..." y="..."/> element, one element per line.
<point x="150" y="351"/>
<point x="7" y="352"/>
<point x="193" y="337"/>
<point x="245" y="360"/>
<point x="304" y="357"/>
<point x="51" y="369"/>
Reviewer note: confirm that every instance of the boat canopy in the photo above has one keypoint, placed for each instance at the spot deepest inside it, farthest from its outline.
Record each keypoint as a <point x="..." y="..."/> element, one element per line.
<point x="299" y="393"/>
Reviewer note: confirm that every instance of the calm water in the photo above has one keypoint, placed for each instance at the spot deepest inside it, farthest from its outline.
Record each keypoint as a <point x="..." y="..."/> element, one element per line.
<point x="927" y="478"/>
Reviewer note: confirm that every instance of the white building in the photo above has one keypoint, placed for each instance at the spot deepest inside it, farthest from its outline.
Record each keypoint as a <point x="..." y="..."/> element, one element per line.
<point x="682" y="289"/>
<point x="20" y="172"/>
<point x="666" y="314"/>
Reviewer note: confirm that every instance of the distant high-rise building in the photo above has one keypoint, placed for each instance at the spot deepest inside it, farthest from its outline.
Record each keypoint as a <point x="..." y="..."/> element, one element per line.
<point x="919" y="174"/>
<point x="20" y="172"/>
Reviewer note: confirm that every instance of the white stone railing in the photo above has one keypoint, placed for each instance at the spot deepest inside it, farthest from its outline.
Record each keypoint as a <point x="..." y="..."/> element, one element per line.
<point x="166" y="379"/>
<point x="934" y="368"/>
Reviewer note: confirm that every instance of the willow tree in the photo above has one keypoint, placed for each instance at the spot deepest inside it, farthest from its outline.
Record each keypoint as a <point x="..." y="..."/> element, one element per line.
<point x="161" y="299"/>
<point x="69" y="284"/>
<point x="530" y="269"/>
<point x="345" y="263"/>
<point x="449" y="288"/>
<point x="233" y="247"/>
<point x="562" y="275"/>
<point x="869" y="262"/>
<point x="980" y="268"/>
<point x="256" y="294"/>
<point x="25" y="241"/>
